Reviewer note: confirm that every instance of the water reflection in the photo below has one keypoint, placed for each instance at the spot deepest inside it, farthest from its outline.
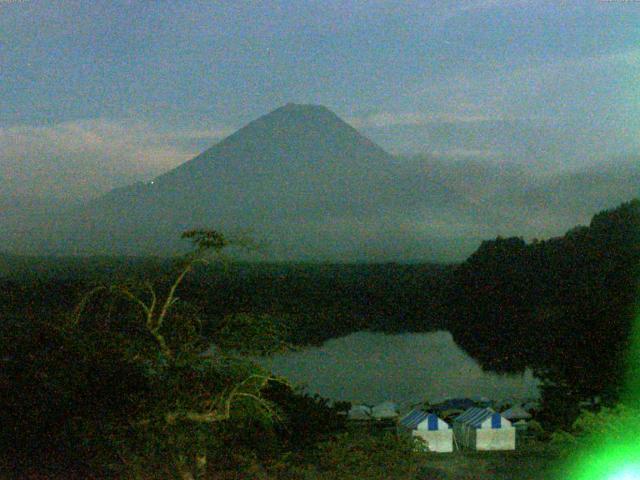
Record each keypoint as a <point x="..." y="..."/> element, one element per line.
<point x="370" y="367"/>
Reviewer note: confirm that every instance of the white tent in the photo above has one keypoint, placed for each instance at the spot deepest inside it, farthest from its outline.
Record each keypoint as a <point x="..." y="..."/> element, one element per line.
<point x="385" y="410"/>
<point x="436" y="433"/>
<point x="359" y="412"/>
<point x="484" y="429"/>
<point x="516" y="413"/>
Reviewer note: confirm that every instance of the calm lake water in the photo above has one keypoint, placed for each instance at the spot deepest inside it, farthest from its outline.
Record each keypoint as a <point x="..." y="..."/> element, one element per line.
<point x="370" y="367"/>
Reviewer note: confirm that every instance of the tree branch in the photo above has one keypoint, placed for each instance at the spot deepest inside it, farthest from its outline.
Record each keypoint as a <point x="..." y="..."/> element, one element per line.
<point x="84" y="301"/>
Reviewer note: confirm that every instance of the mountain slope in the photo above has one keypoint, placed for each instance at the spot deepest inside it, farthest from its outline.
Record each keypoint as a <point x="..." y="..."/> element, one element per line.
<point x="299" y="177"/>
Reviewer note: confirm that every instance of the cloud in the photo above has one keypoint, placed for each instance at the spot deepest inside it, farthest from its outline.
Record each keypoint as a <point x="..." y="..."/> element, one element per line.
<point x="87" y="157"/>
<point x="543" y="74"/>
<point x="563" y="110"/>
<point x="475" y="5"/>
<point x="390" y="119"/>
<point x="466" y="152"/>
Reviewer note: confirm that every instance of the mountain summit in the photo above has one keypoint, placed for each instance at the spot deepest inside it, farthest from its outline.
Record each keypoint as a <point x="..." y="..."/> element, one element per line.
<point x="298" y="177"/>
<point x="288" y="139"/>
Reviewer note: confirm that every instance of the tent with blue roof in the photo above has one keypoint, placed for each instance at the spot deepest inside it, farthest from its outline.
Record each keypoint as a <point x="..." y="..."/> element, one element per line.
<point x="435" y="432"/>
<point x="484" y="429"/>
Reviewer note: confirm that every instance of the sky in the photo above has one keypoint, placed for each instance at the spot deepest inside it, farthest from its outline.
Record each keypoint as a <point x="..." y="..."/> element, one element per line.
<point x="98" y="94"/>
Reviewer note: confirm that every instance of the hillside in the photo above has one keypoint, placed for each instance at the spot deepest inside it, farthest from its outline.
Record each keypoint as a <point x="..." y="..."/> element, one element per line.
<point x="564" y="306"/>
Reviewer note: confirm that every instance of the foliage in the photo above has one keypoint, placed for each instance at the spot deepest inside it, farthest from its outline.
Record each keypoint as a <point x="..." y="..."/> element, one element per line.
<point x="60" y="393"/>
<point x="563" y="306"/>
<point x="614" y="424"/>
<point x="252" y="334"/>
<point x="128" y="390"/>
<point x="307" y="419"/>
<point x="356" y="456"/>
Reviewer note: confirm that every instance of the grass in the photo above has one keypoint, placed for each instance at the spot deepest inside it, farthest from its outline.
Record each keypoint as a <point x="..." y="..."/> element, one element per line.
<point x="532" y="461"/>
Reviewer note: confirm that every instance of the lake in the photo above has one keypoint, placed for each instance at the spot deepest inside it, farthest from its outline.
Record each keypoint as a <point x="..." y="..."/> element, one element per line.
<point x="367" y="367"/>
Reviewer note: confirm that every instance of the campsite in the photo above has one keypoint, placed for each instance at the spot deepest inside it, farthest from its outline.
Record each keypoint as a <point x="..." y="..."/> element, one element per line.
<point x="478" y="428"/>
<point x="448" y="451"/>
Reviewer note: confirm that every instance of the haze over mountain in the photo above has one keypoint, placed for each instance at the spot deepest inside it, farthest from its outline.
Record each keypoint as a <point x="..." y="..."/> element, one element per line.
<point x="526" y="201"/>
<point x="299" y="177"/>
<point x="314" y="188"/>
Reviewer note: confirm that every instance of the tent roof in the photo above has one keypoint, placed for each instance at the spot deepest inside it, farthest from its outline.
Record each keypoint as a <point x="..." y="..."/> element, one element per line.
<point x="415" y="417"/>
<point x="385" y="409"/>
<point x="361" y="407"/>
<point x="516" y="413"/>
<point x="387" y="404"/>
<point x="480" y="399"/>
<point x="475" y="416"/>
<point x="359" y="411"/>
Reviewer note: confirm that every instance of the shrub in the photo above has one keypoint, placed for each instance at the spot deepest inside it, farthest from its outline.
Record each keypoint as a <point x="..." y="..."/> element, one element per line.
<point x="613" y="424"/>
<point x="355" y="456"/>
<point x="122" y="385"/>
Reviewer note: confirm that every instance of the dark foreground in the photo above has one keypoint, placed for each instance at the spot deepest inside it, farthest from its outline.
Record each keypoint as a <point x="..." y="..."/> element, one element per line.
<point x="535" y="461"/>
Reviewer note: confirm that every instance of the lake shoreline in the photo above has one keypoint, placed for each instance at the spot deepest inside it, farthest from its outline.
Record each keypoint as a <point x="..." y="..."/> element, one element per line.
<point x="371" y="367"/>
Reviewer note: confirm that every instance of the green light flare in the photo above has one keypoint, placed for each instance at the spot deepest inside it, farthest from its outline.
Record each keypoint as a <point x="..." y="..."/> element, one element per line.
<point x="614" y="456"/>
<point x="612" y="451"/>
<point x="631" y="394"/>
<point x="629" y="473"/>
<point x="608" y="461"/>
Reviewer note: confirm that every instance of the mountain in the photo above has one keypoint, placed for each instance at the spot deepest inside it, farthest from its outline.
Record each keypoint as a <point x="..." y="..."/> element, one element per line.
<point x="314" y="188"/>
<point x="299" y="177"/>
